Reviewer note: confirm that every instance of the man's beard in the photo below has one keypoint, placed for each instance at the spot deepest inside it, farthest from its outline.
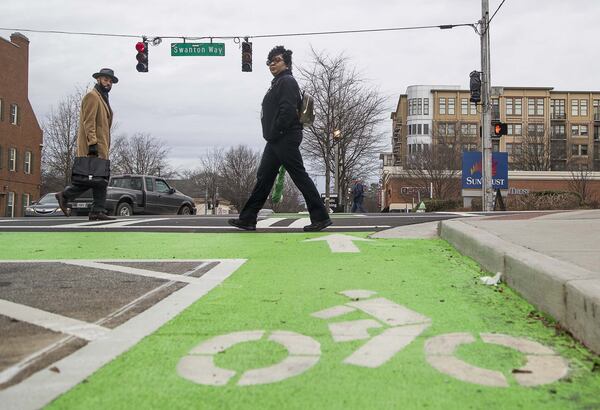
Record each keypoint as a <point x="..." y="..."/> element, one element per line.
<point x="106" y="88"/>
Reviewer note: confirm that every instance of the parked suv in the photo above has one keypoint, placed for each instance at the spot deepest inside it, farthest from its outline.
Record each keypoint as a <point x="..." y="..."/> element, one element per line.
<point x="138" y="194"/>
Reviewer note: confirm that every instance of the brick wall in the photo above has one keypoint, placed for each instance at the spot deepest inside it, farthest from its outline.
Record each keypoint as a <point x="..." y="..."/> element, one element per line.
<point x="24" y="136"/>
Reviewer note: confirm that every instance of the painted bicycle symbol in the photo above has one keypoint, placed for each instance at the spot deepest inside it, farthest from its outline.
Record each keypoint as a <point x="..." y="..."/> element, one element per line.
<point x="401" y="326"/>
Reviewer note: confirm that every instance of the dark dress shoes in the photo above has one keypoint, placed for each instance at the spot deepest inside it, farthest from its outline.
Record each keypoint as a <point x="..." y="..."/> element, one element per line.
<point x="317" y="226"/>
<point x="99" y="216"/>
<point x="238" y="223"/>
<point x="62" y="203"/>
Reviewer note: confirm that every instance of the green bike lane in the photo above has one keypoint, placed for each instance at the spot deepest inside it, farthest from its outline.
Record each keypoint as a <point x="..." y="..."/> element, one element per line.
<point x="287" y="293"/>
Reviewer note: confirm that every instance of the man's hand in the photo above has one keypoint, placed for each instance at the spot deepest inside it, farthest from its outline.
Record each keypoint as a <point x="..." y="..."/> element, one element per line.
<point x="93" y="150"/>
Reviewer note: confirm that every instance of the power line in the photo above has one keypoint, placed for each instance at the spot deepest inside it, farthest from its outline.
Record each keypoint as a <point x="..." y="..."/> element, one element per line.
<point x="314" y="33"/>
<point x="496" y="11"/>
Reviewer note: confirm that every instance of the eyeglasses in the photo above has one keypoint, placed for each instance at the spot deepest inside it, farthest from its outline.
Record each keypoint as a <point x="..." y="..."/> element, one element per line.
<point x="274" y="61"/>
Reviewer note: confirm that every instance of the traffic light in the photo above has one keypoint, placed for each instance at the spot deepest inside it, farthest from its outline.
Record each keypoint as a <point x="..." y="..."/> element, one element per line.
<point x="499" y="129"/>
<point x="475" y="86"/>
<point x="246" y="56"/>
<point x="142" y="56"/>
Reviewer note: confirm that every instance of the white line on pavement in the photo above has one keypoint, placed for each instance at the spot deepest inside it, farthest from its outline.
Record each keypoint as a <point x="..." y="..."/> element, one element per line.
<point x="299" y="223"/>
<point x="45" y="385"/>
<point x="268" y="222"/>
<point x="123" y="222"/>
<point x="133" y="271"/>
<point x="52" y="321"/>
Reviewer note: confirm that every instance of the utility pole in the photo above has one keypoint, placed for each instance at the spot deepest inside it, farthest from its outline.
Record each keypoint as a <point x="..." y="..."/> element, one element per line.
<point x="487" y="198"/>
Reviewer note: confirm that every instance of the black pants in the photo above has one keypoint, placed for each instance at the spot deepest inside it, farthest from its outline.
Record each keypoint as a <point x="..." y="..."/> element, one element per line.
<point x="285" y="151"/>
<point x="98" y="188"/>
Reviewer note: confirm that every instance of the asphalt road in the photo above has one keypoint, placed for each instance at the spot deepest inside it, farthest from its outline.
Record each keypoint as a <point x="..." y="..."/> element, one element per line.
<point x="218" y="223"/>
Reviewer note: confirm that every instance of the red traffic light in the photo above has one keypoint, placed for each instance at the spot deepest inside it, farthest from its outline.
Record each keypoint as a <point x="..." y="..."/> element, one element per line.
<point x="497" y="129"/>
<point x="140" y="47"/>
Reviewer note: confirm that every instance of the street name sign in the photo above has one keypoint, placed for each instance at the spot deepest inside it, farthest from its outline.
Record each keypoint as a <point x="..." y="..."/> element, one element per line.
<point x="197" y="49"/>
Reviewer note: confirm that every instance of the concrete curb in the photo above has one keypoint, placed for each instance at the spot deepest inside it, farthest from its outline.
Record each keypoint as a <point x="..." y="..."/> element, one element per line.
<point x="567" y="292"/>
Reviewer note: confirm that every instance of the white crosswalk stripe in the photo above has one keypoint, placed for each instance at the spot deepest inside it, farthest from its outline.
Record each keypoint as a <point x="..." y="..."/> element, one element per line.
<point x="299" y="223"/>
<point x="265" y="223"/>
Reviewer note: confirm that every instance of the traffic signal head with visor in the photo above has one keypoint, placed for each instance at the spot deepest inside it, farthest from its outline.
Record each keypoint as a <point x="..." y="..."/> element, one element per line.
<point x="499" y="129"/>
<point x="142" y="56"/>
<point x="246" y="56"/>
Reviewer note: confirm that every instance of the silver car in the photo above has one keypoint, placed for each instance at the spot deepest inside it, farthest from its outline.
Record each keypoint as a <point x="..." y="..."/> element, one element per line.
<point x="46" y="206"/>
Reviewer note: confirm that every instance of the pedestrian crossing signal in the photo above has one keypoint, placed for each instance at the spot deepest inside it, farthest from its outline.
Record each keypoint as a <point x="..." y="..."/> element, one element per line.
<point x="499" y="129"/>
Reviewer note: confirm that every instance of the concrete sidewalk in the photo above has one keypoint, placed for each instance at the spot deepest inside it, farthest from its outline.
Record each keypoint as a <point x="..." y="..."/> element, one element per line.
<point x="551" y="259"/>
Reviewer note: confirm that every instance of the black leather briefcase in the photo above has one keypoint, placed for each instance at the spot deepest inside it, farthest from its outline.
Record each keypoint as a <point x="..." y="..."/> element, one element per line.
<point x="90" y="170"/>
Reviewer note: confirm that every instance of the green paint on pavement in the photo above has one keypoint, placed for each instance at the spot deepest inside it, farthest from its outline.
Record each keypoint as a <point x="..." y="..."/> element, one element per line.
<point x="286" y="280"/>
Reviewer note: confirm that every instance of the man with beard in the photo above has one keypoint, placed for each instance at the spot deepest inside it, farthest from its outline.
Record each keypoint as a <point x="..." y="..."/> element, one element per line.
<point x="93" y="139"/>
<point x="282" y="130"/>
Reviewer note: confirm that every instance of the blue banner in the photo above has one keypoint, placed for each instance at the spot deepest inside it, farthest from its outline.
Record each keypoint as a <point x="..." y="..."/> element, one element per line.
<point x="472" y="166"/>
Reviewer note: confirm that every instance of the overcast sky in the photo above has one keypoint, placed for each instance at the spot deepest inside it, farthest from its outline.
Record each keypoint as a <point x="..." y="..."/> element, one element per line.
<point x="193" y="103"/>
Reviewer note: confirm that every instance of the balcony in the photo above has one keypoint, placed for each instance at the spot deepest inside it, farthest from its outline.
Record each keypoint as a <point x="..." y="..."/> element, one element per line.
<point x="558" y="116"/>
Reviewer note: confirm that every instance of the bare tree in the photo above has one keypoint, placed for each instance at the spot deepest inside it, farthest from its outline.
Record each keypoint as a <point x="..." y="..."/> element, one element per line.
<point x="437" y="165"/>
<point x="347" y="116"/>
<point x="534" y="152"/>
<point x="205" y="181"/>
<point x="140" y="154"/>
<point x="580" y="182"/>
<point x="291" y="199"/>
<point x="60" y="141"/>
<point x="238" y="174"/>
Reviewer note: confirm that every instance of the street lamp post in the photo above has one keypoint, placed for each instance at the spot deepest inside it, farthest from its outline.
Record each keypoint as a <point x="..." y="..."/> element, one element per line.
<point x="337" y="136"/>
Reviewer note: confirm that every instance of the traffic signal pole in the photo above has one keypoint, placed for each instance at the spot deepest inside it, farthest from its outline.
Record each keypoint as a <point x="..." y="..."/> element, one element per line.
<point x="487" y="198"/>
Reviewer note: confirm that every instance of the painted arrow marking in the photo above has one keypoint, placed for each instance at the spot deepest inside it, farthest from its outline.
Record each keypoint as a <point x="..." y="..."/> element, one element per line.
<point x="340" y="243"/>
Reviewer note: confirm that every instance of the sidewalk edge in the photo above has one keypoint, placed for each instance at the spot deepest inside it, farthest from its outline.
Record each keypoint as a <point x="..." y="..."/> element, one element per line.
<point x="569" y="293"/>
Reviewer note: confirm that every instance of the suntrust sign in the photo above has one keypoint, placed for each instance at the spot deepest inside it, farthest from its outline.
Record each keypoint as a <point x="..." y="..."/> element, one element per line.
<point x="472" y="167"/>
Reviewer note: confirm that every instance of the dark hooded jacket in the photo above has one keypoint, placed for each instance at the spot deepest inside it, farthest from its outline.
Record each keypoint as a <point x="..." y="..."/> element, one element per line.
<point x="279" y="115"/>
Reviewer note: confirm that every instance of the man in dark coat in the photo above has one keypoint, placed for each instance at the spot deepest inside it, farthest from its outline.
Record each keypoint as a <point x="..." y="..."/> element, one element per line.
<point x="93" y="139"/>
<point x="358" y="196"/>
<point x="282" y="130"/>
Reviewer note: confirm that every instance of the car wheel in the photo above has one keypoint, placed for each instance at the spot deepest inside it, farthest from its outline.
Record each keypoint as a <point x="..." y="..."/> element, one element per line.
<point x="185" y="210"/>
<point x="124" y="209"/>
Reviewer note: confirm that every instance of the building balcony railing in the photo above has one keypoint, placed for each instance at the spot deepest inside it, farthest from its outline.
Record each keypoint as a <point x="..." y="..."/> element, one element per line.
<point x="558" y="116"/>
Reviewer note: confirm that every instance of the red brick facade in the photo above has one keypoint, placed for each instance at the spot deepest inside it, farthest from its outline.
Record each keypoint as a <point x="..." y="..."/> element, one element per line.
<point x="20" y="133"/>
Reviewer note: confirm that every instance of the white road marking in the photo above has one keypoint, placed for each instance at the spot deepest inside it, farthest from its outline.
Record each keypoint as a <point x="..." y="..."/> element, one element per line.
<point x="52" y="321"/>
<point x="133" y="271"/>
<point x="88" y="223"/>
<point x="389" y="312"/>
<point x="358" y="293"/>
<point x="120" y="222"/>
<point x="333" y="312"/>
<point x="352" y="330"/>
<point x="340" y="243"/>
<point x="45" y="385"/>
<point x="268" y="222"/>
<point x="299" y="223"/>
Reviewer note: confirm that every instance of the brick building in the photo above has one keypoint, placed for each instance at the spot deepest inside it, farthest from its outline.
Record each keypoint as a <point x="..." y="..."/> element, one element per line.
<point x="548" y="131"/>
<point x="20" y="133"/>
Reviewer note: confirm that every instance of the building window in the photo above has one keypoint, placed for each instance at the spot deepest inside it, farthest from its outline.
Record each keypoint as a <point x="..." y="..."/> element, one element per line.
<point x="596" y="135"/>
<point x="14" y="114"/>
<point x="27" y="163"/>
<point x="575" y="108"/>
<point x="583" y="108"/>
<point x="442" y="106"/>
<point x="579" y="130"/>
<point x="513" y="106"/>
<point x="473" y="108"/>
<point x="535" y="106"/>
<point x="535" y="130"/>
<point x="419" y="129"/>
<point x="12" y="159"/>
<point x="426" y="129"/>
<point x="558" y="132"/>
<point x="420" y="106"/>
<point x="596" y="110"/>
<point x="451" y="106"/>
<point x="10" y="204"/>
<point x="464" y="106"/>
<point x="26" y="199"/>
<point x="450" y="129"/>
<point x="513" y="149"/>
<point x="496" y="145"/>
<point x="468" y="129"/>
<point x="469" y="147"/>
<point x="495" y="108"/>
<point x="579" y="149"/>
<point x="514" y="129"/>
<point x="557" y="109"/>
<point x="425" y="106"/>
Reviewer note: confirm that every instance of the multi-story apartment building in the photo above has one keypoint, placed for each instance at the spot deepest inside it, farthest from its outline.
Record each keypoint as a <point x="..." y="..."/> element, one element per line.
<point x="565" y="123"/>
<point x="548" y="130"/>
<point x="20" y="133"/>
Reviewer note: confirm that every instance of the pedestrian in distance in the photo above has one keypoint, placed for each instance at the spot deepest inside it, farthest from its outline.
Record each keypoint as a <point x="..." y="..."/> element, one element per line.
<point x="93" y="140"/>
<point x="282" y="131"/>
<point x="358" y="196"/>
